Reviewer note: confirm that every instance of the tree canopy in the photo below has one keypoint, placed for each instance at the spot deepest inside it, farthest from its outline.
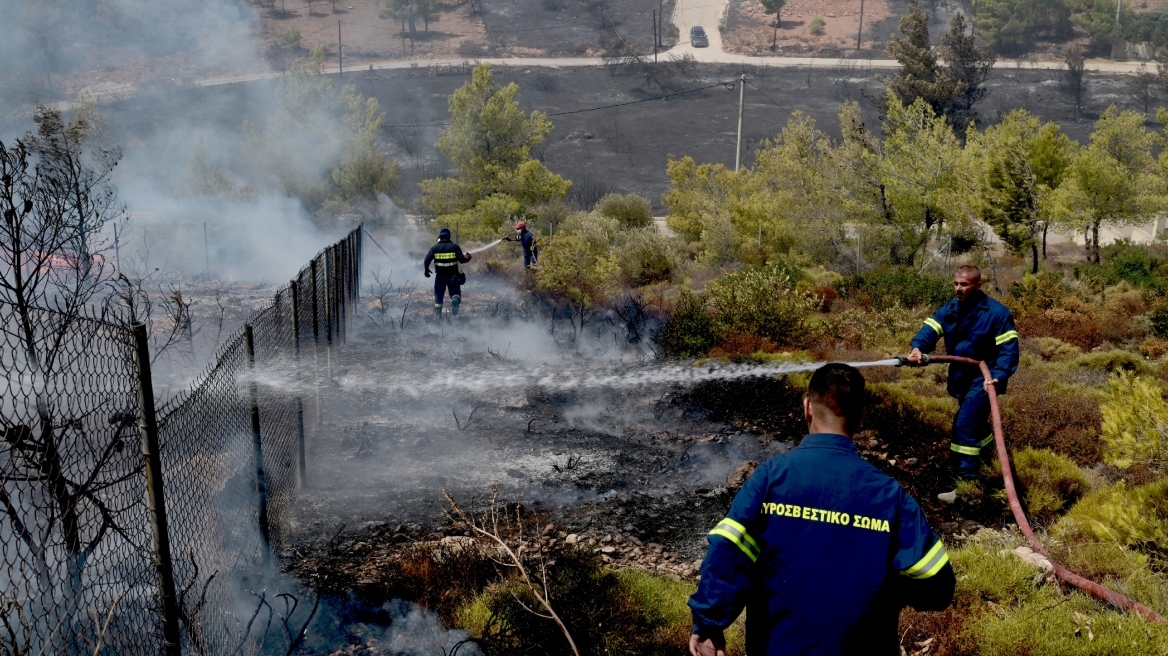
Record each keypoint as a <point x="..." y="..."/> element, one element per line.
<point x="489" y="144"/>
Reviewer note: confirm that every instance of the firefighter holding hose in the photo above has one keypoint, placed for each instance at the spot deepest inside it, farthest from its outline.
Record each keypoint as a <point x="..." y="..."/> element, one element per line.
<point x="526" y="239"/>
<point x="446" y="256"/>
<point x="974" y="326"/>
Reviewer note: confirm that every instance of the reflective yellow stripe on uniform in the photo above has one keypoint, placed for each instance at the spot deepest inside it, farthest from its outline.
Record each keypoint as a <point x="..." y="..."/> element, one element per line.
<point x="966" y="450"/>
<point x="984" y="443"/>
<point x="932" y="323"/>
<point x="736" y="533"/>
<point x="1005" y="337"/>
<point x="932" y="563"/>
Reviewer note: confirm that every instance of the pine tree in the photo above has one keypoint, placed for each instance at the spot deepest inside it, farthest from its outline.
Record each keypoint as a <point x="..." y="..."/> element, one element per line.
<point x="969" y="66"/>
<point x="920" y="75"/>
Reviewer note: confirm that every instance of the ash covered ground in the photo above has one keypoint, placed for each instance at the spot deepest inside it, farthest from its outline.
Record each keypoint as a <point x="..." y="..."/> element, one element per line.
<point x="458" y="406"/>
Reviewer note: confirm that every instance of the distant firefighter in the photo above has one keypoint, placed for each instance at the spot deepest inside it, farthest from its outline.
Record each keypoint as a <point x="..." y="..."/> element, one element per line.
<point x="974" y="326"/>
<point x="446" y="256"/>
<point x="822" y="548"/>
<point x="526" y="239"/>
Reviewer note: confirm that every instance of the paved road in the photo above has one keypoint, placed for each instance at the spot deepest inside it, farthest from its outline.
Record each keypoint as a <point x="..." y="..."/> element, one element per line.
<point x="687" y="13"/>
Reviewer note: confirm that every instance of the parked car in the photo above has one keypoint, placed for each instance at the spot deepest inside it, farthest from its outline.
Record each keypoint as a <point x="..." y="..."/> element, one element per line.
<point x="697" y="37"/>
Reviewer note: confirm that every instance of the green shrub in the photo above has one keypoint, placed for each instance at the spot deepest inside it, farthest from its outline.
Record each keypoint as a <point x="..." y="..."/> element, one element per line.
<point x="1158" y="317"/>
<point x="630" y="210"/>
<point x="817" y="25"/>
<point x="1135" y="517"/>
<point x="1052" y="349"/>
<point x="646" y="256"/>
<point x="1042" y="291"/>
<point x="762" y="301"/>
<point x="1052" y="482"/>
<point x="1135" y="422"/>
<point x="292" y="38"/>
<point x="1113" y="361"/>
<point x="690" y="331"/>
<point x="898" y="286"/>
<point x="1138" y="265"/>
<point x="606" y="612"/>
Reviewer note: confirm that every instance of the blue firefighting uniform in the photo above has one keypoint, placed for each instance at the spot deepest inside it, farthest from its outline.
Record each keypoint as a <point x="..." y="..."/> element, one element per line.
<point x="527" y="241"/>
<point x="446" y="256"/>
<point x="983" y="329"/>
<point x="823" y="550"/>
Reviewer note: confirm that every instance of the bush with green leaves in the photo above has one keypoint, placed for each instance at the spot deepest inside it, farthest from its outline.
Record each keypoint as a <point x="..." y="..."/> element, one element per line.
<point x="690" y="330"/>
<point x="1132" y="517"/>
<point x="1158" y="317"/>
<point x="630" y="210"/>
<point x="646" y="256"/>
<point x="1051" y="482"/>
<point x="607" y="612"/>
<point x="817" y="25"/>
<point x="1142" y="266"/>
<point x="902" y="286"/>
<point x="1135" y="422"/>
<point x="762" y="301"/>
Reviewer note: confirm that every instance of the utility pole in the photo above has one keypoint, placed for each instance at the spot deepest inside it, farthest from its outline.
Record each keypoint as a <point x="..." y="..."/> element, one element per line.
<point x="655" y="42"/>
<point x="660" y="20"/>
<point x="860" y="31"/>
<point x="741" y="101"/>
<point x="340" y="54"/>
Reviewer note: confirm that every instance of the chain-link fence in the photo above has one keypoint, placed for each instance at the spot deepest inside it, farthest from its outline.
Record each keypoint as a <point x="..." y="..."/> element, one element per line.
<point x="130" y="530"/>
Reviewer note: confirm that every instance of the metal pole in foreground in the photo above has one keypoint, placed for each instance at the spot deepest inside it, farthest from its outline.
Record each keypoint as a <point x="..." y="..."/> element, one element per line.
<point x="741" y="101"/>
<point x="295" y="291"/>
<point x="155" y="497"/>
<point x="257" y="445"/>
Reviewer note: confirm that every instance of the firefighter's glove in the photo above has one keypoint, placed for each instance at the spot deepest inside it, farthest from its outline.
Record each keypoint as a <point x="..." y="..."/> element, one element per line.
<point x="427" y="273"/>
<point x="467" y="256"/>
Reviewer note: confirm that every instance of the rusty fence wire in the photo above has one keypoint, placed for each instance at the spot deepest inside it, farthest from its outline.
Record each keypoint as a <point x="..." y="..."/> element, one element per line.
<point x="95" y="557"/>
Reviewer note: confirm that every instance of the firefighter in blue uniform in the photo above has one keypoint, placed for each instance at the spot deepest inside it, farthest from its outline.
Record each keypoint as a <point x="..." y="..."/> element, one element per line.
<point x="446" y="256"/>
<point x="974" y="326"/>
<point x="821" y="547"/>
<point x="526" y="239"/>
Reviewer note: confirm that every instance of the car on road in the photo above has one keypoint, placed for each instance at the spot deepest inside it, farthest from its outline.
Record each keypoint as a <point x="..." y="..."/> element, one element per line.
<point x="697" y="37"/>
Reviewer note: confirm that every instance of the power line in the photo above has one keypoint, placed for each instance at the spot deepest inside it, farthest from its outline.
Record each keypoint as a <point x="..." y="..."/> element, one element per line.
<point x="764" y="93"/>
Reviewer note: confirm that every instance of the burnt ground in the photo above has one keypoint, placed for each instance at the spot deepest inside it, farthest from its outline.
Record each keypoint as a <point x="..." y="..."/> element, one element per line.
<point x="567" y="28"/>
<point x="642" y="461"/>
<point x="640" y="472"/>
<point x="621" y="148"/>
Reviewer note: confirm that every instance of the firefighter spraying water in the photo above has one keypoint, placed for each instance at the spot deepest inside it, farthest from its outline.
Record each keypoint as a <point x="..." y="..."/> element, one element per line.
<point x="446" y="256"/>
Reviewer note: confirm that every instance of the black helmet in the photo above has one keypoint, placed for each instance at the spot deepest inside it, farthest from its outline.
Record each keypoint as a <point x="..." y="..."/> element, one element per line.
<point x="444" y="233"/>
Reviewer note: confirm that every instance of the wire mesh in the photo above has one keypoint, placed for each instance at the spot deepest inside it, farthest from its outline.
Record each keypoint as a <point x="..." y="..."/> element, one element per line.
<point x="74" y="544"/>
<point x="76" y="554"/>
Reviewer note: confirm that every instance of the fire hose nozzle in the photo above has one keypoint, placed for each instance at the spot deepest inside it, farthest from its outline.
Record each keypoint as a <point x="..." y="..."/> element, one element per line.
<point x="905" y="362"/>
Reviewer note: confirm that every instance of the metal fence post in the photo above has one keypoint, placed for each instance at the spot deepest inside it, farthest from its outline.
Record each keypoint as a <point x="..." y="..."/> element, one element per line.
<point x="315" y="339"/>
<point x="295" y="290"/>
<point x="155" y="497"/>
<point x="360" y="257"/>
<point x="257" y="445"/>
<point x="338" y="296"/>
<point x="328" y="295"/>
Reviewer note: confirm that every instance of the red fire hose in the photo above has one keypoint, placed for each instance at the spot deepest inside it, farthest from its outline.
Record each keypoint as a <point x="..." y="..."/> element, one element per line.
<point x="1063" y="573"/>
